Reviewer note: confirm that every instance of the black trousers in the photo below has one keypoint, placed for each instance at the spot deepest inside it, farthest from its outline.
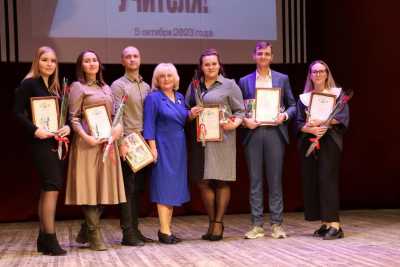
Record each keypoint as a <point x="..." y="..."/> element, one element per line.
<point x="320" y="173"/>
<point x="134" y="185"/>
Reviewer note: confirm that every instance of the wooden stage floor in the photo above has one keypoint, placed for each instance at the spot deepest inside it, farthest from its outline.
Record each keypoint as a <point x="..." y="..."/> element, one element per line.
<point x="372" y="238"/>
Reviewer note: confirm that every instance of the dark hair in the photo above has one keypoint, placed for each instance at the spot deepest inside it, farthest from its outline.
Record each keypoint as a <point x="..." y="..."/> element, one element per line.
<point x="209" y="52"/>
<point x="262" y="45"/>
<point x="80" y="74"/>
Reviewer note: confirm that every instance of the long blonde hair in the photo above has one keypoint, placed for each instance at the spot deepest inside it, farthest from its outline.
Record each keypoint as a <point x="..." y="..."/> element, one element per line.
<point x="54" y="84"/>
<point x="329" y="83"/>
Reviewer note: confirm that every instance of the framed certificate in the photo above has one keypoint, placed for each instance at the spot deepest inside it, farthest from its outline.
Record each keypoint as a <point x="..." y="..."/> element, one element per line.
<point x="45" y="113"/>
<point x="321" y="106"/>
<point x="99" y="121"/>
<point x="208" y="127"/>
<point x="268" y="104"/>
<point x="139" y="154"/>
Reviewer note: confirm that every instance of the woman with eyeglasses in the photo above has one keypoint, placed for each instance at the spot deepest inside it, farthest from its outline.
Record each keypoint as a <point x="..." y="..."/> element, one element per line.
<point x="320" y="170"/>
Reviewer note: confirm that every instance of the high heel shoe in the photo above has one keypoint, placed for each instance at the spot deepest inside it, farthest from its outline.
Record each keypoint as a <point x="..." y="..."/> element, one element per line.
<point x="214" y="237"/>
<point x="207" y="235"/>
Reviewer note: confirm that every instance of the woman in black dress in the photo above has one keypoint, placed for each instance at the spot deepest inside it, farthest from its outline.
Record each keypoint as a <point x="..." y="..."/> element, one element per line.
<point x="42" y="80"/>
<point x="320" y="170"/>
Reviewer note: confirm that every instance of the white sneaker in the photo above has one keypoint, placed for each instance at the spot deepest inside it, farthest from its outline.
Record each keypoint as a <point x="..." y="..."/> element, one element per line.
<point x="254" y="233"/>
<point x="278" y="232"/>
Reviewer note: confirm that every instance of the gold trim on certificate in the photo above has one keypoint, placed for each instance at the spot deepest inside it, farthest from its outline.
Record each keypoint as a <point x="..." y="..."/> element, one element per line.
<point x="321" y="106"/>
<point x="139" y="154"/>
<point x="268" y="105"/>
<point x="45" y="113"/>
<point x="208" y="124"/>
<point x="98" y="119"/>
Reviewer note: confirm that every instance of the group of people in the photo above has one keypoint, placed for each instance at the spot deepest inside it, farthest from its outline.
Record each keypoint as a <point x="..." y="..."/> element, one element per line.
<point x="159" y="113"/>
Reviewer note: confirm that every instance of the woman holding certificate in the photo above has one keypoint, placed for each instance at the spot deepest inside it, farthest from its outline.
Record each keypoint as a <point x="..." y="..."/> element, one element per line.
<point x="217" y="166"/>
<point x="91" y="180"/>
<point x="322" y="119"/>
<point x="165" y="116"/>
<point x="41" y="84"/>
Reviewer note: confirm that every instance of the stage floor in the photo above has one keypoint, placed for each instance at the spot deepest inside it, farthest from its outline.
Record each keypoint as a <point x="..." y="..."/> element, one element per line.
<point x="372" y="238"/>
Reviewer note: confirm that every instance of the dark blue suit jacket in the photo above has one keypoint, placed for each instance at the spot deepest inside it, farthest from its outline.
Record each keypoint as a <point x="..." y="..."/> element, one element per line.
<point x="248" y="86"/>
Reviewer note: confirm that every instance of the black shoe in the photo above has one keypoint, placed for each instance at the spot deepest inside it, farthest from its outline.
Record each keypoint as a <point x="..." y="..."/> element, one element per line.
<point x="333" y="233"/>
<point x="129" y="238"/>
<point x="50" y="246"/>
<point x="168" y="239"/>
<point x="214" y="237"/>
<point x="207" y="235"/>
<point x="39" y="242"/>
<point x="321" y="231"/>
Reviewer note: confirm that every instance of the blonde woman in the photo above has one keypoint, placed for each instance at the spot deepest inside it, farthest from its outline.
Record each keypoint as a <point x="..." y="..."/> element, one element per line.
<point x="320" y="171"/>
<point x="41" y="81"/>
<point x="165" y="115"/>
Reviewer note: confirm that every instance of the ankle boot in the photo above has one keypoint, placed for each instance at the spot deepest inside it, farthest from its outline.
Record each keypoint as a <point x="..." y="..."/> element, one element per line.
<point x="92" y="215"/>
<point x="129" y="238"/>
<point x="39" y="242"/>
<point x="82" y="236"/>
<point x="50" y="245"/>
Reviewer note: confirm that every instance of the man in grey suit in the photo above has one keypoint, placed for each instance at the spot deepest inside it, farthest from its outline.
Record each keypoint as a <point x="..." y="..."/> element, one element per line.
<point x="264" y="146"/>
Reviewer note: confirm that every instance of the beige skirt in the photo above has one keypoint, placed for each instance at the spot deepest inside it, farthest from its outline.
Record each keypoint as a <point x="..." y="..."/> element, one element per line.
<point x="89" y="180"/>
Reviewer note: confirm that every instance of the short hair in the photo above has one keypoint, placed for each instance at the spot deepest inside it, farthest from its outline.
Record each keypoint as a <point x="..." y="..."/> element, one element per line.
<point x="163" y="68"/>
<point x="262" y="45"/>
<point x="54" y="83"/>
<point x="129" y="46"/>
<point x="80" y="74"/>
<point x="329" y="83"/>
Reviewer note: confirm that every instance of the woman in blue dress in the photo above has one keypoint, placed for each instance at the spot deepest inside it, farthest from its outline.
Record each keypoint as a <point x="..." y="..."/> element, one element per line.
<point x="165" y="116"/>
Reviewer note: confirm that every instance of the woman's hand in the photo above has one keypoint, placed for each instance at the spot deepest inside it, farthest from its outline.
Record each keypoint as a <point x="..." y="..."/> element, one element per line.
<point x="64" y="131"/>
<point x="43" y="134"/>
<point x="153" y="149"/>
<point x="251" y="123"/>
<point x="318" y="131"/>
<point x="155" y="153"/>
<point x="195" y="111"/>
<point x="93" y="141"/>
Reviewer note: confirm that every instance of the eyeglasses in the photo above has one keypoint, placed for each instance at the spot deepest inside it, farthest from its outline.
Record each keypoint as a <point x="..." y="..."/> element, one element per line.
<point x="318" y="72"/>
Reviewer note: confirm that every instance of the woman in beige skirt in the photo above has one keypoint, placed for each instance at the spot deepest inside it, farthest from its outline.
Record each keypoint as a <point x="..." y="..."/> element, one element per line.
<point x="90" y="181"/>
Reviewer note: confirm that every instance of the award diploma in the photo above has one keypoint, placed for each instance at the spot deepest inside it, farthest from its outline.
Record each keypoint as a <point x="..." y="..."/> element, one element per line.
<point x="139" y="154"/>
<point x="45" y="113"/>
<point x="208" y="124"/>
<point x="321" y="106"/>
<point x="98" y="120"/>
<point x="267" y="106"/>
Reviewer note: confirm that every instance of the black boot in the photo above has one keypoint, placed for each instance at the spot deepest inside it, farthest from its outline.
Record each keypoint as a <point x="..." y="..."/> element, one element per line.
<point x="50" y="245"/>
<point x="129" y="238"/>
<point x="82" y="236"/>
<point x="39" y="242"/>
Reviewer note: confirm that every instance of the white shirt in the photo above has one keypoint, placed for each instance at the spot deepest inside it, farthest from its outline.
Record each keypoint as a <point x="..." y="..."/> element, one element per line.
<point x="264" y="81"/>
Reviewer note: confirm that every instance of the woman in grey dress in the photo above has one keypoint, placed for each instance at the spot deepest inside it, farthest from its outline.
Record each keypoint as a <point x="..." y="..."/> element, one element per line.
<point x="215" y="164"/>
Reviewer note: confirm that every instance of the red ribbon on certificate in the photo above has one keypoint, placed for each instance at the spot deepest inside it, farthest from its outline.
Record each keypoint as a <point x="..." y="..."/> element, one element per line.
<point x="316" y="141"/>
